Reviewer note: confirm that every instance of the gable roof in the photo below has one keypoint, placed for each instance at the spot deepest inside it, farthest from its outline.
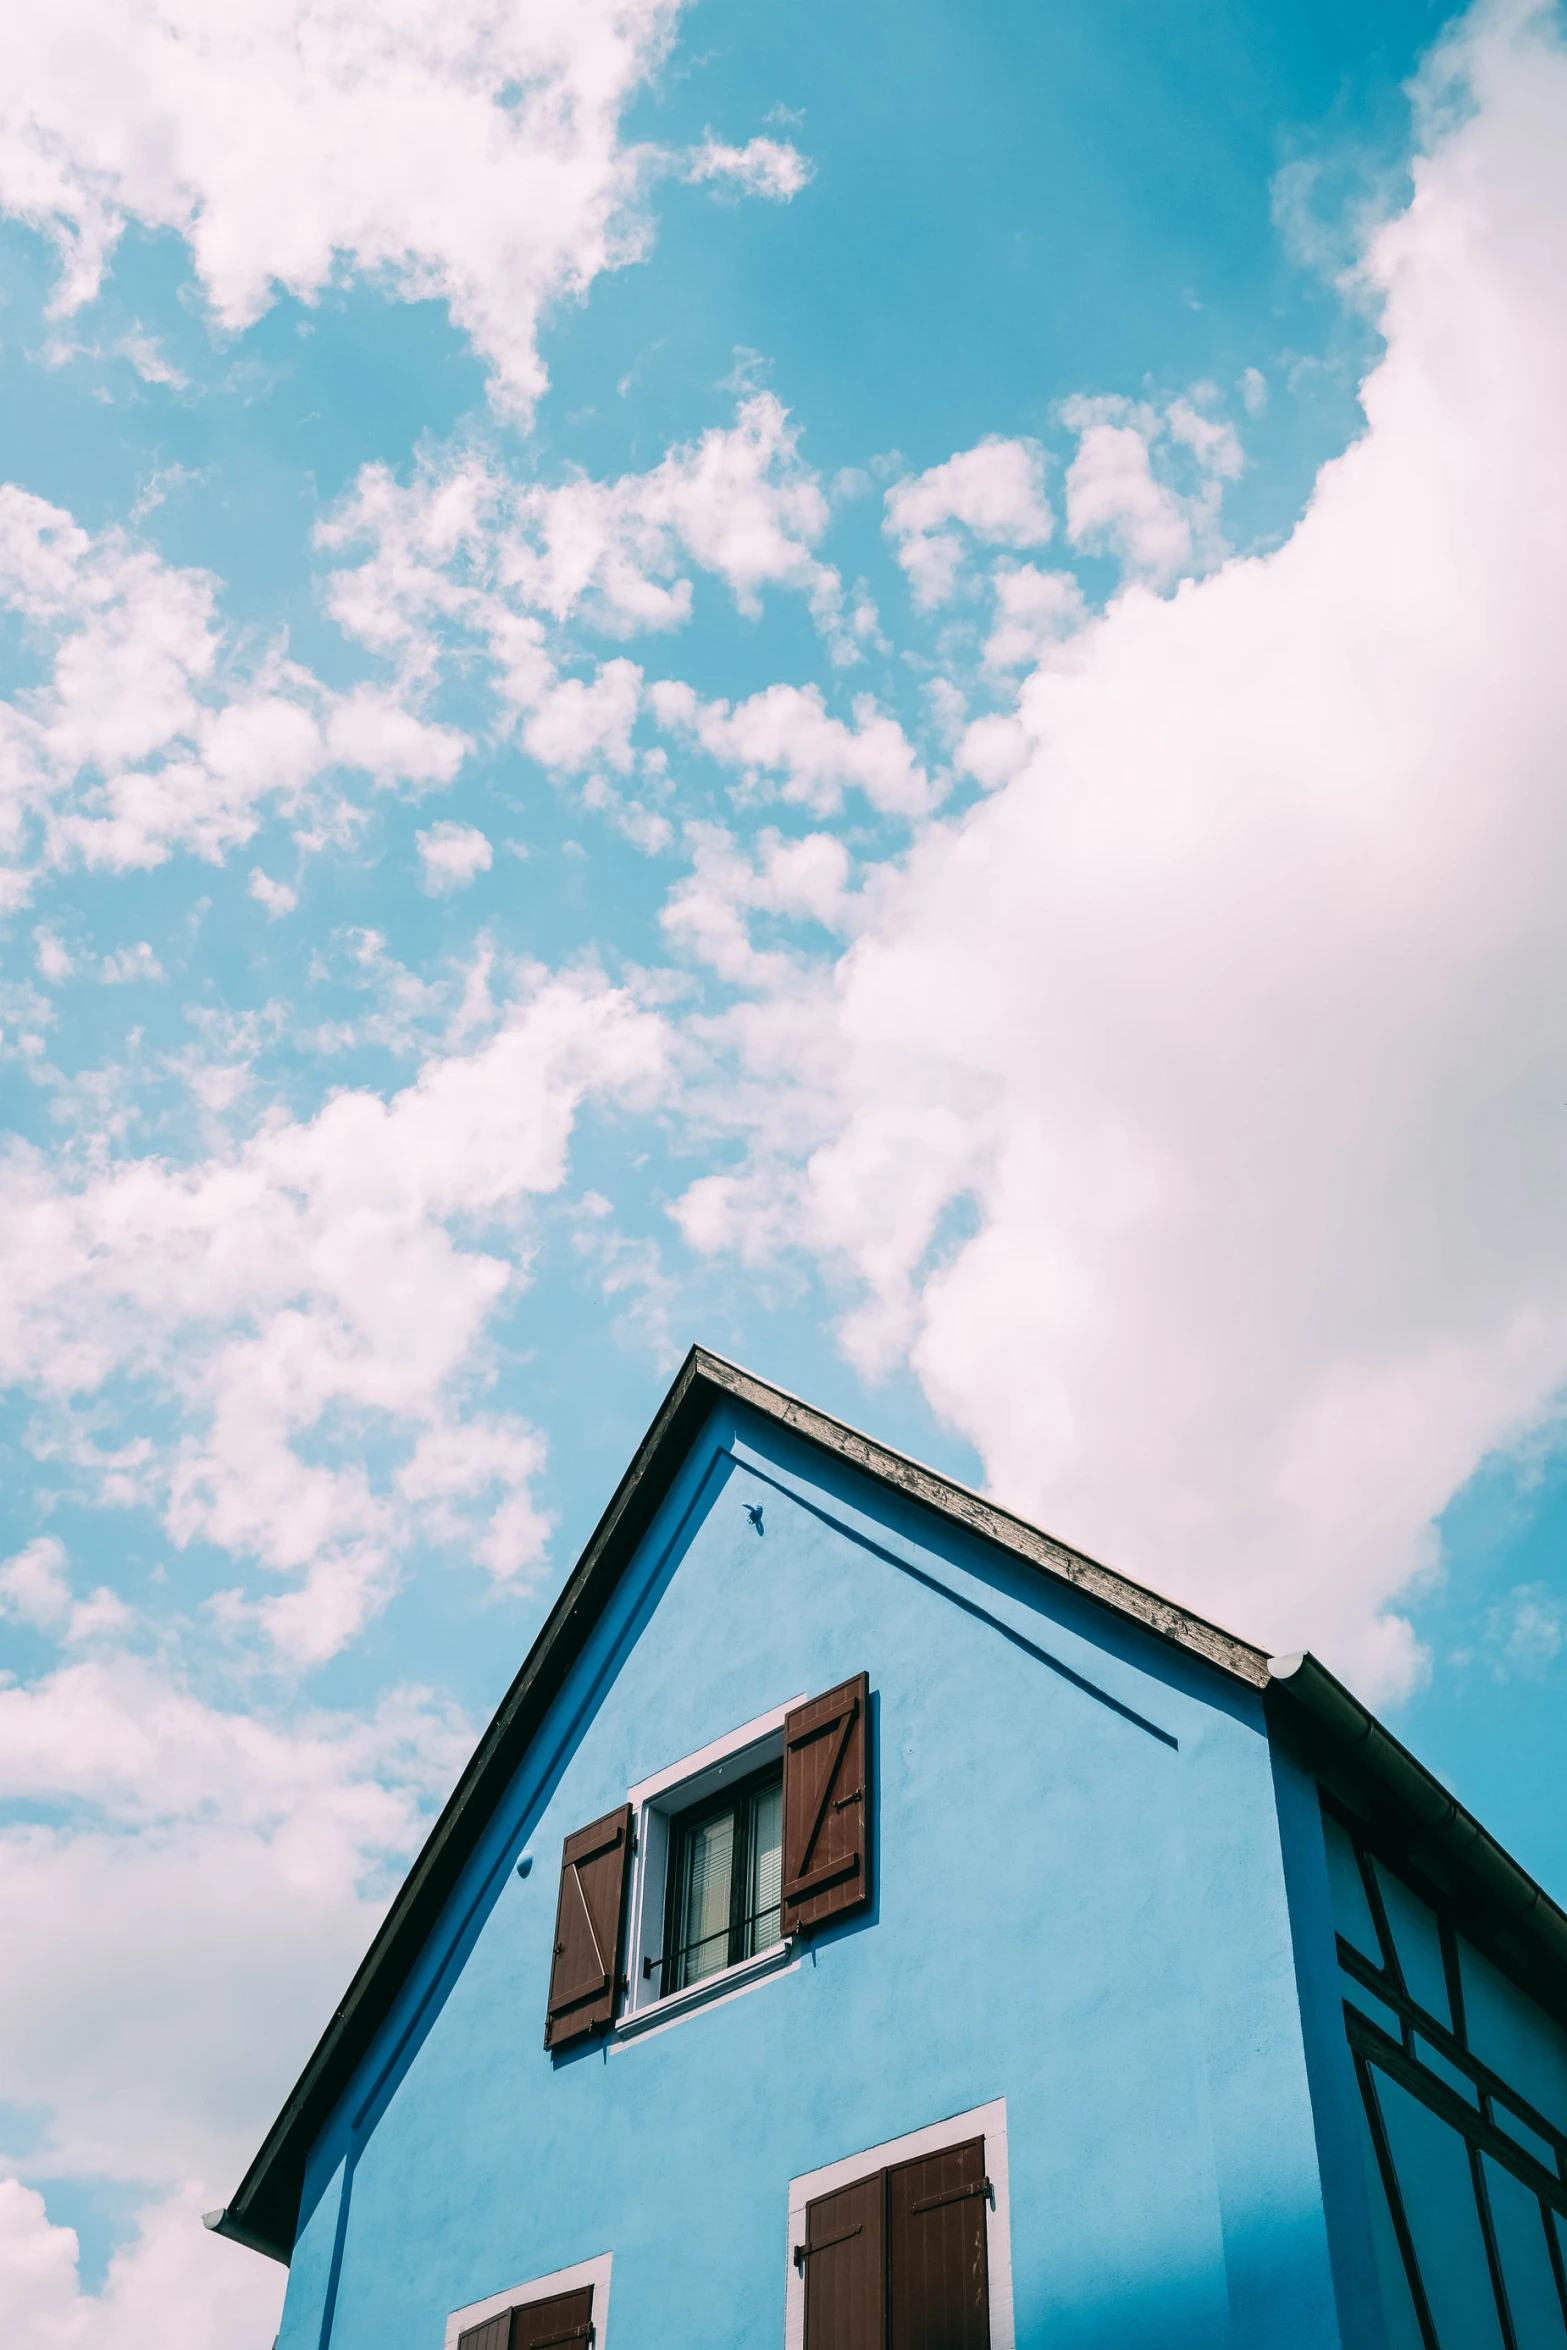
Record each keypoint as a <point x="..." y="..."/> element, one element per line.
<point x="263" y="2213"/>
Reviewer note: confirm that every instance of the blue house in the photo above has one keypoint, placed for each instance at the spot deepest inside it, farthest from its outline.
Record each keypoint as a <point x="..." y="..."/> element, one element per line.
<point x="869" y="1925"/>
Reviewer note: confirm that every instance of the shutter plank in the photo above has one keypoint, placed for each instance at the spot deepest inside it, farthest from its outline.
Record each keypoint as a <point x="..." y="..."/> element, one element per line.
<point x="564" y="2319"/>
<point x="827" y="1807"/>
<point x="937" y="2260"/>
<point x="589" y="1930"/>
<point x="845" y="2268"/>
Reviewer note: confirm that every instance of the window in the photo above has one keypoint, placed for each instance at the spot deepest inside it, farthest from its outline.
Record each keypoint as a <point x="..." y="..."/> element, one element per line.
<point x="907" y="2246"/>
<point x="721" y="1904"/>
<point x="710" y="1870"/>
<point x="1466" y="2170"/>
<point x="533" y="2325"/>
<point x="567" y="2310"/>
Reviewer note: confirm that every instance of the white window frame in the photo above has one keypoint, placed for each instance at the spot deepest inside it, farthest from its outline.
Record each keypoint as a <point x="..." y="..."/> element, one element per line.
<point x="982" y="2121"/>
<point x="654" y="1803"/>
<point x="593" y="2272"/>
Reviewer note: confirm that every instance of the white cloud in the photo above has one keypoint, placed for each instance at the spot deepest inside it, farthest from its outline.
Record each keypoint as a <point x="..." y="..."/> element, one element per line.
<point x="453" y="151"/>
<point x="1187" y="1112"/>
<point x="1115" y="502"/>
<point x="451" y="856"/>
<point x="467" y="551"/>
<point x="170" y="2276"/>
<point x="128" y="964"/>
<point x="275" y="897"/>
<point x="800" y="880"/>
<point x="184" y="1864"/>
<point x="578" y="724"/>
<point x="302" y="1304"/>
<point x="146" y="357"/>
<point x="52" y="956"/>
<point x="1034" y="609"/>
<point x="762" y="167"/>
<point x="1526" y="1633"/>
<point x="145" y="736"/>
<point x="33" y="1584"/>
<point x="786" y="731"/>
<point x="996" y="491"/>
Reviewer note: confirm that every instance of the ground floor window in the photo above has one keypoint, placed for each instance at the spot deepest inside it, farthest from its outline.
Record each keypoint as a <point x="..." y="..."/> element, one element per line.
<point x="906" y="2246"/>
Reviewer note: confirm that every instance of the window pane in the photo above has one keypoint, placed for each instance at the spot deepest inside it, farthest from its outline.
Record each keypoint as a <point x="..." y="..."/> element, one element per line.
<point x="1351" y="1910"/>
<point x="709" y="1882"/>
<point x="1369" y="2004"/>
<point x="1398" y="2310"/>
<point x="1432" y="2163"/>
<point x="1418" y="1943"/>
<point x="1513" y="2036"/>
<point x="1530" y="2140"/>
<point x="766" y="1866"/>
<point x="1526" y="2261"/>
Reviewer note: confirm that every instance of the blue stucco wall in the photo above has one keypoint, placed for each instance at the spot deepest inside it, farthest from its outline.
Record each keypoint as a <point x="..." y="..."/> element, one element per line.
<point x="1081" y="1906"/>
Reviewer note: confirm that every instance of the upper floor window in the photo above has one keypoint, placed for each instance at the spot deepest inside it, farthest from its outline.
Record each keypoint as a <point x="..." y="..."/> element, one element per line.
<point x="722" y="1902"/>
<point x="707" y="1871"/>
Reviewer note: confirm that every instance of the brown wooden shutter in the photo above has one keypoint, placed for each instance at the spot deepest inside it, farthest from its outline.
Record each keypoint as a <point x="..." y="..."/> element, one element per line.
<point x="566" y="2317"/>
<point x="845" y="2268"/>
<point x="494" y="2334"/>
<point x="585" y="1976"/>
<point x="939" y="2275"/>
<point x="563" y="2318"/>
<point x="827" y="1807"/>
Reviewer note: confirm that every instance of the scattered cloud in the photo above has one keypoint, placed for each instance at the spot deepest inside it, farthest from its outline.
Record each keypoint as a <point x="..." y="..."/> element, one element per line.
<point x="146" y="734"/>
<point x="762" y="167"/>
<point x="1118" y="504"/>
<point x="452" y="855"/>
<point x="146" y="356"/>
<point x="128" y="964"/>
<point x="306" y="1280"/>
<point x="275" y="897"/>
<point x="787" y="732"/>
<point x="995" y="492"/>
<point x="1525" y="1633"/>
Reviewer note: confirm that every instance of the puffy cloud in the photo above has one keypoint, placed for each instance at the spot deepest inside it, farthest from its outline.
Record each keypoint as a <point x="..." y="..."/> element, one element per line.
<point x="1117" y="505"/>
<point x="762" y="167"/>
<point x="1034" y="609"/>
<point x="170" y="2276"/>
<point x="130" y="963"/>
<point x="452" y="855"/>
<point x="801" y="880"/>
<point x="996" y="491"/>
<point x="453" y="151"/>
<point x="33" y="1584"/>
<point x="305" y="1285"/>
<point x="786" y="731"/>
<point x="579" y="723"/>
<point x="145" y="736"/>
<point x="275" y="897"/>
<point x="1187" y="1112"/>
<point x="184" y="1864"/>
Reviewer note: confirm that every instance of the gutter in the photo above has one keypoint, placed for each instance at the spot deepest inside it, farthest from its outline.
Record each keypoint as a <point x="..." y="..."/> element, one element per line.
<point x="1360" y="1738"/>
<point x="233" y="2232"/>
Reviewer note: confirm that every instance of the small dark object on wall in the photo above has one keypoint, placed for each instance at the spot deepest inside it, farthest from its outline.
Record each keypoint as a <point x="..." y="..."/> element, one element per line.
<point x="753" y="1510"/>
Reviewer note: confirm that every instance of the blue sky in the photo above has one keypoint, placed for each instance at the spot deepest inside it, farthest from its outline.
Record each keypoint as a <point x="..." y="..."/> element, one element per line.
<point x="875" y="686"/>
